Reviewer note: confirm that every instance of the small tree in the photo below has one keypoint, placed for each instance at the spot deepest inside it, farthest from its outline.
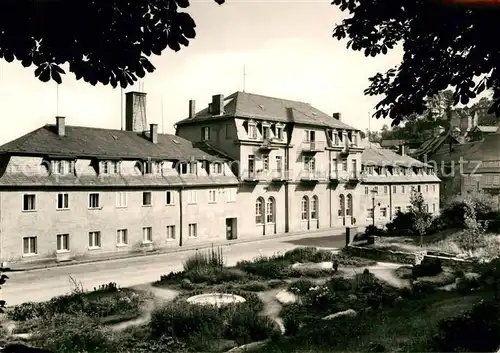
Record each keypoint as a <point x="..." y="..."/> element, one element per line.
<point x="423" y="219"/>
<point x="472" y="237"/>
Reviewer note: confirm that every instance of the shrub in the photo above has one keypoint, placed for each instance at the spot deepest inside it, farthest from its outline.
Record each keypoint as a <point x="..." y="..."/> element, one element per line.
<point x="245" y="326"/>
<point x="475" y="331"/>
<point x="372" y="230"/>
<point x="254" y="286"/>
<point x="427" y="268"/>
<point x="308" y="254"/>
<point x="266" y="267"/>
<point x="212" y="258"/>
<point x="181" y="320"/>
<point x="453" y="212"/>
<point x="63" y="333"/>
<point x="301" y="286"/>
<point x="422" y="289"/>
<point x="403" y="224"/>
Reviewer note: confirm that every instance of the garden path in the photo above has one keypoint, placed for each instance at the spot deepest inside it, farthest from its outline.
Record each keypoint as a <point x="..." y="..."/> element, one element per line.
<point x="160" y="296"/>
<point x="272" y="307"/>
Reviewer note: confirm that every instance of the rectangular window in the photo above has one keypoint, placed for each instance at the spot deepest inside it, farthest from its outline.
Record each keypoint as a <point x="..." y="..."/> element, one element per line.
<point x="121" y="199"/>
<point x="383" y="212"/>
<point x="94" y="240"/>
<point x="369" y="213"/>
<point x="433" y="208"/>
<point x="105" y="167"/>
<point x="344" y="165"/>
<point x="94" y="200"/>
<point x="427" y="188"/>
<point x="148" y="167"/>
<point x="252" y="131"/>
<point x="216" y="168"/>
<point x="146" y="198"/>
<point x="183" y="168"/>
<point x="367" y="190"/>
<point x="29" y="202"/>
<point x="205" y="133"/>
<point x="29" y="246"/>
<point x="170" y="232"/>
<point x="212" y="195"/>
<point x="279" y="133"/>
<point x="418" y="188"/>
<point x="169" y="198"/>
<point x="279" y="164"/>
<point x="147" y="235"/>
<point x="62" y="242"/>
<point x="402" y="189"/>
<point x="385" y="189"/>
<point x="121" y="237"/>
<point x="192" y="230"/>
<point x="116" y="168"/>
<point x="394" y="189"/>
<point x="193" y="168"/>
<point x="265" y="132"/>
<point x="192" y="197"/>
<point x="265" y="160"/>
<point x="62" y="201"/>
<point x="231" y="195"/>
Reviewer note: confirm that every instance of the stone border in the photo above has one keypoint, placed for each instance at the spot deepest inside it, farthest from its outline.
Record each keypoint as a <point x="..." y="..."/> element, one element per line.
<point x="400" y="257"/>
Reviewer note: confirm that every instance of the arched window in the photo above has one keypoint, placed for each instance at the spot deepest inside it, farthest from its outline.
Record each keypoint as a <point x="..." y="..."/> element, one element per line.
<point x="349" y="205"/>
<point x="270" y="208"/>
<point x="259" y="211"/>
<point x="305" y="208"/>
<point x="314" y="207"/>
<point x="341" y="211"/>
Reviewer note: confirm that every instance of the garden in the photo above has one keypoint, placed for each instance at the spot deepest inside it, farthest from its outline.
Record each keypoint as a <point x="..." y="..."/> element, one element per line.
<point x="467" y="227"/>
<point x="303" y="300"/>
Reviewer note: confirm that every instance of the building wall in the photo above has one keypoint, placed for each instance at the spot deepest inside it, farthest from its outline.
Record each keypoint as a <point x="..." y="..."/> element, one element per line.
<point x="46" y="221"/>
<point x="223" y="133"/>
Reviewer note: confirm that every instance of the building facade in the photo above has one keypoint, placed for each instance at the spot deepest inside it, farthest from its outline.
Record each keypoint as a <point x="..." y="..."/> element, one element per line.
<point x="246" y="166"/>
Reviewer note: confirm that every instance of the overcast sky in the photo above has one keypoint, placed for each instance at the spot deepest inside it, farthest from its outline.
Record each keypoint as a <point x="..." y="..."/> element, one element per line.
<point x="286" y="46"/>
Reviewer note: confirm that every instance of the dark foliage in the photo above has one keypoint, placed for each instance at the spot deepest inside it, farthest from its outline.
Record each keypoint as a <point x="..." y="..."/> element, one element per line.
<point x="372" y="230"/>
<point x="103" y="41"/>
<point x="475" y="331"/>
<point x="444" y="44"/>
<point x="403" y="224"/>
<point x="427" y="268"/>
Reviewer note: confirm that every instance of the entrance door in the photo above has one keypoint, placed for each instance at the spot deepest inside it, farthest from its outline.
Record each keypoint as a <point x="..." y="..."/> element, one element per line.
<point x="230" y="228"/>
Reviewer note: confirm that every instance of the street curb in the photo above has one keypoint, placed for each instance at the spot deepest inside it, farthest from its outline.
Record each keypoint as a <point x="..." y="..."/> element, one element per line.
<point x="314" y="234"/>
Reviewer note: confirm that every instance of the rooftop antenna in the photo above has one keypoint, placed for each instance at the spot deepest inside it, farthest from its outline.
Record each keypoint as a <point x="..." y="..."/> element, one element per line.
<point x="162" y="124"/>
<point x="57" y="99"/>
<point x="244" y="77"/>
<point x="121" y="108"/>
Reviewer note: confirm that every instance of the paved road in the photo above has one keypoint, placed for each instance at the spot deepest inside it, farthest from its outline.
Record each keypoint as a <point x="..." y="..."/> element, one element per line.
<point x="41" y="285"/>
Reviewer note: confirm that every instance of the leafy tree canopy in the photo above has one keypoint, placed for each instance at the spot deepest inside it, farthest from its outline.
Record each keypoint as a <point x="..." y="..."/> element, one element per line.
<point x="444" y="45"/>
<point x="107" y="41"/>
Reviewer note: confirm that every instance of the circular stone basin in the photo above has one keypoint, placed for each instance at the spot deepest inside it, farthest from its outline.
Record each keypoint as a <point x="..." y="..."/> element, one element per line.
<point x="312" y="265"/>
<point x="217" y="299"/>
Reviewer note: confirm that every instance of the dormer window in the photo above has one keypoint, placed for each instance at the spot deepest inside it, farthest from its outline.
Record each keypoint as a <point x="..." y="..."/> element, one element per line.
<point x="217" y="168"/>
<point x="148" y="167"/>
<point x="265" y="132"/>
<point x="205" y="133"/>
<point x="188" y="168"/>
<point x="279" y="133"/>
<point x="159" y="167"/>
<point x="110" y="167"/>
<point x="252" y="131"/>
<point x="62" y="167"/>
<point x="354" y="139"/>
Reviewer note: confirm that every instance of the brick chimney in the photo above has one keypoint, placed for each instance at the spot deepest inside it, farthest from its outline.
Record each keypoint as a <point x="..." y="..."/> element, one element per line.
<point x="217" y="104"/>
<point x="192" y="108"/>
<point x="135" y="112"/>
<point x="61" y="125"/>
<point x="336" y="116"/>
<point x="153" y="133"/>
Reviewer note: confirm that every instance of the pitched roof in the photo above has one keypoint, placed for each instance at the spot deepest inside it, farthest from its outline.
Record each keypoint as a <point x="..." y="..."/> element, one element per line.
<point x="432" y="144"/>
<point x="105" y="143"/>
<point x="393" y="143"/>
<point x="373" y="154"/>
<point x="258" y="107"/>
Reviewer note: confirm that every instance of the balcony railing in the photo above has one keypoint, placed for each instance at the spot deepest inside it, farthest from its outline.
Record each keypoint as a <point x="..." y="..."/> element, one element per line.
<point x="267" y="145"/>
<point x="313" y="146"/>
<point x="267" y="175"/>
<point x="281" y="175"/>
<point x="312" y="175"/>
